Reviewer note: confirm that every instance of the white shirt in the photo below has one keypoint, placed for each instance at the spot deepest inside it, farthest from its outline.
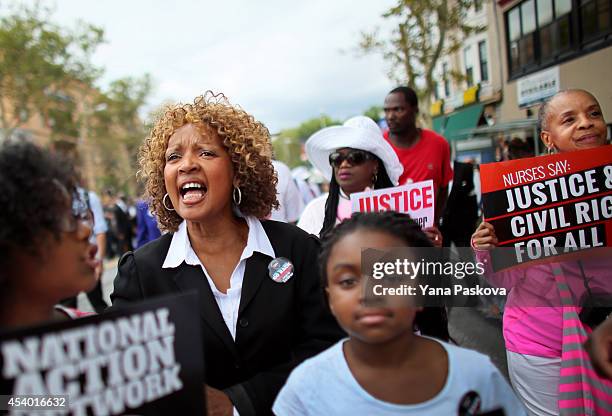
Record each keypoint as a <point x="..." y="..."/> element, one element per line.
<point x="313" y="215"/>
<point x="98" y="214"/>
<point x="325" y="385"/>
<point x="289" y="197"/>
<point x="181" y="251"/>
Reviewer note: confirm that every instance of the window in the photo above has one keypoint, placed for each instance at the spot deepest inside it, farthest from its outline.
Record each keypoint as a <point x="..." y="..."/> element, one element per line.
<point x="446" y="80"/>
<point x="594" y="18"/>
<point x="483" y="60"/>
<point x="563" y="7"/>
<point x="528" y="17"/>
<point x="543" y="32"/>
<point x="469" y="66"/>
<point x="545" y="12"/>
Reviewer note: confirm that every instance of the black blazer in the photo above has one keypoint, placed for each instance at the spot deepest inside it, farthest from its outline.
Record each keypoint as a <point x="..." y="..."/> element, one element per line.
<point x="279" y="324"/>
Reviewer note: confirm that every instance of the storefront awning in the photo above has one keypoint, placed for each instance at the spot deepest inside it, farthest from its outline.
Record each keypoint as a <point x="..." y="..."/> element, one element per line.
<point x="438" y="123"/>
<point x="464" y="119"/>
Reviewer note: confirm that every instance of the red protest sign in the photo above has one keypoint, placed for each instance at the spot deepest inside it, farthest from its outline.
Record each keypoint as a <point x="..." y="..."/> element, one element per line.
<point x="415" y="199"/>
<point x="550" y="205"/>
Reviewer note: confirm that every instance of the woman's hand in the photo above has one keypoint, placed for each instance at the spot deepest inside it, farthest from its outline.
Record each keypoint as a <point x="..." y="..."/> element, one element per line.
<point x="484" y="237"/>
<point x="217" y="403"/>
<point x="434" y="235"/>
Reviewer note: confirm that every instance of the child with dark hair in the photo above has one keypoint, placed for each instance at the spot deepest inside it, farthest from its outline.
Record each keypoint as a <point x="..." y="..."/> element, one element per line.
<point x="385" y="367"/>
<point x="45" y="255"/>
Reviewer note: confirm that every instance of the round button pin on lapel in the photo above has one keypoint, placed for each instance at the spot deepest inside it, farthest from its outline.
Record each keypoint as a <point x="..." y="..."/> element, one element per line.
<point x="280" y="270"/>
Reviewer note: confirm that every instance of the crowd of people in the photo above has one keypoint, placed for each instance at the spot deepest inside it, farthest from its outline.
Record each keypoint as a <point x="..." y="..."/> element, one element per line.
<point x="217" y="218"/>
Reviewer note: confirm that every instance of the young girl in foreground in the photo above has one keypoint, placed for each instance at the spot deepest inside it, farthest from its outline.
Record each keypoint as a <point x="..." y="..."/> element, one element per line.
<point x="384" y="368"/>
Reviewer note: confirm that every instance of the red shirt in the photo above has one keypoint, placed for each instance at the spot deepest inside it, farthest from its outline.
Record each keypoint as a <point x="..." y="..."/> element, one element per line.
<point x="429" y="158"/>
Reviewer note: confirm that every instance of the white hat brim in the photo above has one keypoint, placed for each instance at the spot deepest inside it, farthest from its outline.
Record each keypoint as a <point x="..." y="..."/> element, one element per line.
<point x="324" y="142"/>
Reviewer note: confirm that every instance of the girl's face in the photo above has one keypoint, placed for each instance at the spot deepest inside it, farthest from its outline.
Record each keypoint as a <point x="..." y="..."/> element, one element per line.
<point x="575" y="122"/>
<point x="345" y="289"/>
<point x="67" y="265"/>
<point x="354" y="169"/>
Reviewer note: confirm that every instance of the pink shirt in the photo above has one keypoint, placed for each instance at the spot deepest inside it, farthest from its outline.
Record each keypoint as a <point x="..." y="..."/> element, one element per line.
<point x="533" y="315"/>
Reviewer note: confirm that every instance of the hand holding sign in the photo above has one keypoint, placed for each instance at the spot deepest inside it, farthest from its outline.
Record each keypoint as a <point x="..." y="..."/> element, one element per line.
<point x="434" y="234"/>
<point x="484" y="237"/>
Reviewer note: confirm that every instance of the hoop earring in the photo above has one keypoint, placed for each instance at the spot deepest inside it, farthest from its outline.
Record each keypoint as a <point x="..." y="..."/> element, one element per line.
<point x="237" y="200"/>
<point x="374" y="180"/>
<point x="550" y="150"/>
<point x="164" y="203"/>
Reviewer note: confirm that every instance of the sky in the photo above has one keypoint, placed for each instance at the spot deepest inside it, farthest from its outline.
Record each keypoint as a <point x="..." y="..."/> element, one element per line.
<point x="282" y="61"/>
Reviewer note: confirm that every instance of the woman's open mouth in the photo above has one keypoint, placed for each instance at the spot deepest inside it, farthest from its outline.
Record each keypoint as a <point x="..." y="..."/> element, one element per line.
<point x="192" y="193"/>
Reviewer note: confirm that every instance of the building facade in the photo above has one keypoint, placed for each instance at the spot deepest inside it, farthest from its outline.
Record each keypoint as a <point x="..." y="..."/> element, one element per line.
<point x="530" y="50"/>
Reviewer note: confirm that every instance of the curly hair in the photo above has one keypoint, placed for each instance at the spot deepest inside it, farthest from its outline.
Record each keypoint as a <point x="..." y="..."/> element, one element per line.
<point x="35" y="185"/>
<point x="247" y="142"/>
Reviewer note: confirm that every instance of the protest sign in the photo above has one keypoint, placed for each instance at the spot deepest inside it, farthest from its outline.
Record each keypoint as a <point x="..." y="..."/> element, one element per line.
<point x="145" y="359"/>
<point x="415" y="199"/>
<point x="549" y="205"/>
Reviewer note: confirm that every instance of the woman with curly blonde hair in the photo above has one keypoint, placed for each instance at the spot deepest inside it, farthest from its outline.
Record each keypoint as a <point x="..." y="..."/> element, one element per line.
<point x="211" y="184"/>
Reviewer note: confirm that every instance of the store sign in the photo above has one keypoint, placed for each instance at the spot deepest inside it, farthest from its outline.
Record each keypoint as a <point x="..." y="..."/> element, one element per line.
<point x="436" y="108"/>
<point x="538" y="87"/>
<point x="470" y="95"/>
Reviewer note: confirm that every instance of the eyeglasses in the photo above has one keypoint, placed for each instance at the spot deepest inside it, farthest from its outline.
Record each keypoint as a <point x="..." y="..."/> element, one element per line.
<point x="80" y="211"/>
<point x="354" y="157"/>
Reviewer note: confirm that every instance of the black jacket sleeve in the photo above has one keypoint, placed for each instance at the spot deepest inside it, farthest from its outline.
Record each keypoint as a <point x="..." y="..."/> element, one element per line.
<point x="127" y="285"/>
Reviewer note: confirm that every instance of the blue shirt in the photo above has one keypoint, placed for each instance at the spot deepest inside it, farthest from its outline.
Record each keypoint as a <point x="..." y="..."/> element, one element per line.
<point x="324" y="385"/>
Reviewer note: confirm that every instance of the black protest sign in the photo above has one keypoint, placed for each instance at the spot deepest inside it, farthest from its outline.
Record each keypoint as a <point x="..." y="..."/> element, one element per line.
<point x="144" y="359"/>
<point x="549" y="206"/>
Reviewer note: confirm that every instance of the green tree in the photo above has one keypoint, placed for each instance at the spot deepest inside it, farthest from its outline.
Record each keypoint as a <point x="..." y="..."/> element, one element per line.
<point x="39" y="63"/>
<point x="288" y="150"/>
<point x="309" y="127"/>
<point x="117" y="127"/>
<point x="375" y="112"/>
<point x="423" y="31"/>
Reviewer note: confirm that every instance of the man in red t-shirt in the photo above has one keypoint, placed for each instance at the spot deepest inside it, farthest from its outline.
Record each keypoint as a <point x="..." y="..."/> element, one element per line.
<point x="424" y="153"/>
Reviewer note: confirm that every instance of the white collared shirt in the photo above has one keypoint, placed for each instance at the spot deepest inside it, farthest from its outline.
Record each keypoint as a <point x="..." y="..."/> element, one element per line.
<point x="181" y="251"/>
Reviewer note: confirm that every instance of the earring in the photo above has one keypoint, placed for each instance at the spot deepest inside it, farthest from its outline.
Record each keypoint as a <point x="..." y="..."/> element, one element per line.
<point x="164" y="203"/>
<point x="550" y="150"/>
<point x="237" y="200"/>
<point x="374" y="180"/>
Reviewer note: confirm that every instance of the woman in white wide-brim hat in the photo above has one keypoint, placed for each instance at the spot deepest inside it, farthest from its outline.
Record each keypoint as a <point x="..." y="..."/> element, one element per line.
<point x="352" y="157"/>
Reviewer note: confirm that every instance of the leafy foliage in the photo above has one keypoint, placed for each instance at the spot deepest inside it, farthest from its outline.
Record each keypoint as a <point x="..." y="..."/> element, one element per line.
<point x="39" y="61"/>
<point x="423" y="31"/>
<point x="375" y="112"/>
<point x="116" y="127"/>
<point x="309" y="127"/>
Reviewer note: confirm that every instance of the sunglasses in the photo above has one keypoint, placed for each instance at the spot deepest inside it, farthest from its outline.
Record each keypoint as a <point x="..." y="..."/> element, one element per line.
<point x="354" y="157"/>
<point x="80" y="210"/>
